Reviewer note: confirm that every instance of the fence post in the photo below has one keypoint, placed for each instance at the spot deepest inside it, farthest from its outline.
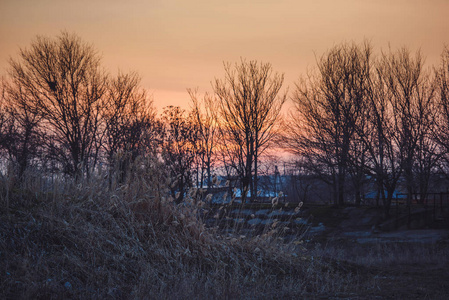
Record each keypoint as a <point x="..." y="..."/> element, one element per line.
<point x="434" y="208"/>
<point x="397" y="211"/>
<point x="409" y="205"/>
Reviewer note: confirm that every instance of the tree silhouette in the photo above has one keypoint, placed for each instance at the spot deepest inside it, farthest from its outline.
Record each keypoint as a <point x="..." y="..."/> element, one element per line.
<point x="329" y="107"/>
<point x="411" y="97"/>
<point x="22" y="136"/>
<point x="62" y="81"/>
<point x="247" y="110"/>
<point x="178" y="148"/>
<point x="129" y="119"/>
<point x="203" y="114"/>
<point x="442" y="85"/>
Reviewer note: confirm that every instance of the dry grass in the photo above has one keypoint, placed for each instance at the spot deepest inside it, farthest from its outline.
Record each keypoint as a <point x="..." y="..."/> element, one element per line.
<point x="97" y="239"/>
<point x="384" y="254"/>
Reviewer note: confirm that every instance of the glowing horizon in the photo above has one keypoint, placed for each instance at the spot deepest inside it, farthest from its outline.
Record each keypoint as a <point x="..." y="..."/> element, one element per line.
<point x="175" y="45"/>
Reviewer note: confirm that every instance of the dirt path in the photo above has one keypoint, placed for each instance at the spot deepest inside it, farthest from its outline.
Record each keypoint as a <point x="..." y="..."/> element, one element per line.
<point x="411" y="282"/>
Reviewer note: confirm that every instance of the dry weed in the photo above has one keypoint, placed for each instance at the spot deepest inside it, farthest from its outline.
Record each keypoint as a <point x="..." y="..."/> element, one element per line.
<point x="98" y="238"/>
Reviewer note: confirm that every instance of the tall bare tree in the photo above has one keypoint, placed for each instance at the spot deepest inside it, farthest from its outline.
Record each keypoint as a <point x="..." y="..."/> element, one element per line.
<point x="329" y="108"/>
<point x="381" y="139"/>
<point x="129" y="118"/>
<point x="442" y="86"/>
<point x="249" y="104"/>
<point x="22" y="135"/>
<point x="178" y="148"/>
<point x="62" y="81"/>
<point x="411" y="96"/>
<point x="203" y="114"/>
<point x="4" y="123"/>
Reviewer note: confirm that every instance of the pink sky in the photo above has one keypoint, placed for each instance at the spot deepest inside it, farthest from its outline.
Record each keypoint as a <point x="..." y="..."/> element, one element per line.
<point x="175" y="45"/>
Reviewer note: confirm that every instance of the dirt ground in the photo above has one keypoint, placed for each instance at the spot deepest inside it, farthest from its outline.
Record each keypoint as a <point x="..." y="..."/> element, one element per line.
<point x="398" y="264"/>
<point x="412" y="281"/>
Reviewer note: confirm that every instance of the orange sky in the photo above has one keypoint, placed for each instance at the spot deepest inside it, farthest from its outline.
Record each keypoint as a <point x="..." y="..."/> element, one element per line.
<point x="175" y="44"/>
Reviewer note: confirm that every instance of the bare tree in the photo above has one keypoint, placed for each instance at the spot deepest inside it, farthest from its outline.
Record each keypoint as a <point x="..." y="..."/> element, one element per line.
<point x="381" y="139"/>
<point x="400" y="123"/>
<point x="203" y="114"/>
<point x="411" y="97"/>
<point x="62" y="81"/>
<point x="129" y="118"/>
<point x="4" y="123"/>
<point x="22" y="137"/>
<point x="248" y="106"/>
<point x="442" y="85"/>
<point x="329" y="108"/>
<point x="178" y="148"/>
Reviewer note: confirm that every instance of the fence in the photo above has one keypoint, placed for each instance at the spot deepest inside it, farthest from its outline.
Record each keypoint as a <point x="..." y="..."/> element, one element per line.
<point x="433" y="208"/>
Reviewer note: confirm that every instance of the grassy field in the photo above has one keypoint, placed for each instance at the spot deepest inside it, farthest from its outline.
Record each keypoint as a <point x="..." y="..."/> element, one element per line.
<point x="96" y="239"/>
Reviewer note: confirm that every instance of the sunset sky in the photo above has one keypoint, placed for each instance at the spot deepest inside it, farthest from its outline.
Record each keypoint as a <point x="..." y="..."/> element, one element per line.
<point x="176" y="44"/>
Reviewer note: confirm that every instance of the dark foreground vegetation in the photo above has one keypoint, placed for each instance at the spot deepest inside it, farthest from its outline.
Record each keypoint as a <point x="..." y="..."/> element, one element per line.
<point x="91" y="239"/>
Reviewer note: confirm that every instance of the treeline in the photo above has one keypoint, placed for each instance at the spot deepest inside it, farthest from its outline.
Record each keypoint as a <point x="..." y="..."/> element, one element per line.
<point x="356" y="115"/>
<point x="382" y="116"/>
<point x="61" y="112"/>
